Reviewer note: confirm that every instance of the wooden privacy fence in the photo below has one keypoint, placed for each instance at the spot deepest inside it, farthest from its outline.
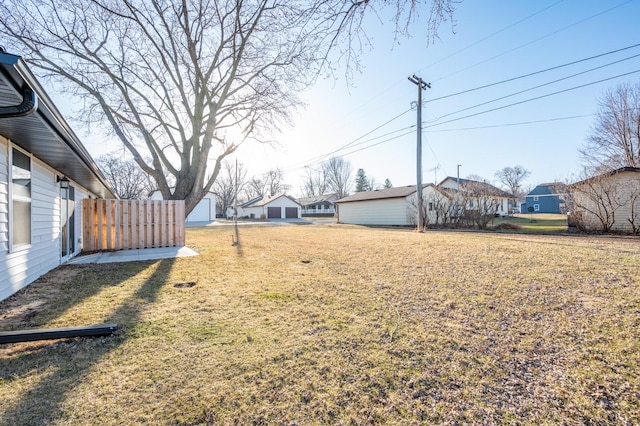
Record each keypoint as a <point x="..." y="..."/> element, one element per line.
<point x="132" y="224"/>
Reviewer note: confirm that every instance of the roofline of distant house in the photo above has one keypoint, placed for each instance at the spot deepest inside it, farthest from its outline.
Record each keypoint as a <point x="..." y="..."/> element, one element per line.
<point x="610" y="173"/>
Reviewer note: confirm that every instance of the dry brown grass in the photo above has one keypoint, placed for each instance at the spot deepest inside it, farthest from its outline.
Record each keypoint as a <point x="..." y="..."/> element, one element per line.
<point x="337" y="324"/>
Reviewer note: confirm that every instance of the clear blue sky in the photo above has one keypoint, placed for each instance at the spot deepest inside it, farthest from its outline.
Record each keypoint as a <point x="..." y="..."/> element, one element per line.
<point x="492" y="41"/>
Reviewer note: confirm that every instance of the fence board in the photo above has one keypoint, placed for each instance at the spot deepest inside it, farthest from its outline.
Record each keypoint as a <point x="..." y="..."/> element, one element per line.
<point x="131" y="224"/>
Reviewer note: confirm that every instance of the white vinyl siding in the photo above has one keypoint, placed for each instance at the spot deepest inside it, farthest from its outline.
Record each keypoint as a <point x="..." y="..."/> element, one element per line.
<point x="23" y="266"/>
<point x="391" y="211"/>
<point x="4" y="198"/>
<point x="282" y="202"/>
<point x="204" y="211"/>
<point x="627" y="184"/>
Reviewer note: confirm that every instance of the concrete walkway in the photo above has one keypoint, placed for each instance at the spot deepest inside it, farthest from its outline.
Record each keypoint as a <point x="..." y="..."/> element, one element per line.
<point x="133" y="255"/>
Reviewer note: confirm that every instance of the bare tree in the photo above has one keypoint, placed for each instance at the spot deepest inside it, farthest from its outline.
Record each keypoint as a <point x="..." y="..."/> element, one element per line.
<point x="634" y="207"/>
<point x="255" y="188"/>
<point x="184" y="83"/>
<point x="436" y="209"/>
<point x="314" y="182"/>
<point x="338" y="172"/>
<point x="512" y="178"/>
<point x="125" y="177"/>
<point x="230" y="182"/>
<point x="614" y="141"/>
<point x="269" y="184"/>
<point x="600" y="198"/>
<point x="479" y="203"/>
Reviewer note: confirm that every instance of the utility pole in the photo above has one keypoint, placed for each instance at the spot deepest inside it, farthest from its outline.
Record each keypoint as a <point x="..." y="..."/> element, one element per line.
<point x="422" y="85"/>
<point x="459" y="177"/>
<point x="235" y="238"/>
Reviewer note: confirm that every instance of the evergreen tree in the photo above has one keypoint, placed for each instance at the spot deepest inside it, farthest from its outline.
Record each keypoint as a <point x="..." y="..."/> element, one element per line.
<point x="387" y="184"/>
<point x="362" y="183"/>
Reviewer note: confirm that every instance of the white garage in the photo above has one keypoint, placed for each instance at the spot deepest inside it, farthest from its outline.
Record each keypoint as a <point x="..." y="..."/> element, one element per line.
<point x="204" y="211"/>
<point x="279" y="206"/>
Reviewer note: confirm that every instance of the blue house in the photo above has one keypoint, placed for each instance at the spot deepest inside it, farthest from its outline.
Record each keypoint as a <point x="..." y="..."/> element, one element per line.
<point x="545" y="198"/>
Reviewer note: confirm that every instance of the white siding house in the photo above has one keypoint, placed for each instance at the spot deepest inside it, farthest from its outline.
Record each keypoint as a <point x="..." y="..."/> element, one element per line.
<point x="204" y="211"/>
<point x="45" y="172"/>
<point x="280" y="206"/>
<point x="502" y="200"/>
<point x="390" y="206"/>
<point x="608" y="202"/>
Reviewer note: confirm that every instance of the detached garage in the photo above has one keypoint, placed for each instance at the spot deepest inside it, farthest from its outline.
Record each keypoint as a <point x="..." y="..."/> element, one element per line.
<point x="277" y="207"/>
<point x="204" y="211"/>
<point x="390" y="206"/>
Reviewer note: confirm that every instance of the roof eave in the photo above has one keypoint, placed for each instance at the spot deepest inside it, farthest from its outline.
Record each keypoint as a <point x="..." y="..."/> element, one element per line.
<point x="18" y="74"/>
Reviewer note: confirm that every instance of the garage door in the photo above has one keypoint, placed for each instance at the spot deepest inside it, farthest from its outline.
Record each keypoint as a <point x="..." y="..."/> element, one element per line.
<point x="291" y="212"/>
<point x="201" y="212"/>
<point x="274" y="213"/>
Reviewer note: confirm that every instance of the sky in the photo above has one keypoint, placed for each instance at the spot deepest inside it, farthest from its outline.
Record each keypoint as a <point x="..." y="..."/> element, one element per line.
<point x="492" y="41"/>
<point x="371" y="121"/>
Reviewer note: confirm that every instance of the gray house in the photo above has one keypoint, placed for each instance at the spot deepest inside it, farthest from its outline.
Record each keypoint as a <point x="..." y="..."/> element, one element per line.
<point x="546" y="198"/>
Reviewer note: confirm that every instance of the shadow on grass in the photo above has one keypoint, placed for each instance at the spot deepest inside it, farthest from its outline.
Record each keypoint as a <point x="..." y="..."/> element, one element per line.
<point x="58" y="368"/>
<point x="236" y="240"/>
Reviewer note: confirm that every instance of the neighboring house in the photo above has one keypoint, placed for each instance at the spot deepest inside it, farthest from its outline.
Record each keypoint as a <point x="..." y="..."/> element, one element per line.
<point x="389" y="206"/>
<point x="608" y="202"/>
<point x="279" y="206"/>
<point x="204" y="211"/>
<point x="442" y="204"/>
<point x="546" y="198"/>
<point x="318" y="205"/>
<point x="475" y="193"/>
<point x="45" y="173"/>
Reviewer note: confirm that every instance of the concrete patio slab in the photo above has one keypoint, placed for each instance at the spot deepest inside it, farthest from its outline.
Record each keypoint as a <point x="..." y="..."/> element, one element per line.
<point x="133" y="255"/>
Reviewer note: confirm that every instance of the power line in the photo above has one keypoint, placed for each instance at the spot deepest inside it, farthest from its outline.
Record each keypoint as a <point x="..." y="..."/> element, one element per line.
<point x="457" y="52"/>
<point x="491" y="35"/>
<point x="538" y="86"/>
<point x="353" y="143"/>
<point x="533" y="99"/>
<point x="536" y="40"/>
<point x="322" y="157"/>
<point x="521" y="123"/>
<point x="534" y="73"/>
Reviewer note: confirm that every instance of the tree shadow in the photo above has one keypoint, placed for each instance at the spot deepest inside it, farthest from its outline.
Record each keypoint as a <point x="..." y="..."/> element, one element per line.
<point x="60" y="366"/>
<point x="236" y="240"/>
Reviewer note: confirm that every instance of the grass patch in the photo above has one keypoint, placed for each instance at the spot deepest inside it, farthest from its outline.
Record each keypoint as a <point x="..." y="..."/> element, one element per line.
<point x="337" y="324"/>
<point x="542" y="223"/>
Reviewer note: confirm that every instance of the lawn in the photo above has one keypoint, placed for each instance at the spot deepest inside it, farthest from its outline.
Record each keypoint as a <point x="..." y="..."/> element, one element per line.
<point x="333" y="324"/>
<point x="538" y="223"/>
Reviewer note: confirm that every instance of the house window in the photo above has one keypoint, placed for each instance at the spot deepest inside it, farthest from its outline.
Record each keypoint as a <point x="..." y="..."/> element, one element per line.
<point x="430" y="207"/>
<point x="536" y="207"/>
<point x="535" y="198"/>
<point x="20" y="198"/>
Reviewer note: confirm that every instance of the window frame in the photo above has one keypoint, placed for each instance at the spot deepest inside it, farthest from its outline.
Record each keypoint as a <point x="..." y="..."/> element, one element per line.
<point x="12" y="248"/>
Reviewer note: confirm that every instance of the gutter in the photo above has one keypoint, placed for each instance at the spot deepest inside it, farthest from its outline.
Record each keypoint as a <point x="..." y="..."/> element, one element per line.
<point x="28" y="106"/>
<point x="29" y="103"/>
